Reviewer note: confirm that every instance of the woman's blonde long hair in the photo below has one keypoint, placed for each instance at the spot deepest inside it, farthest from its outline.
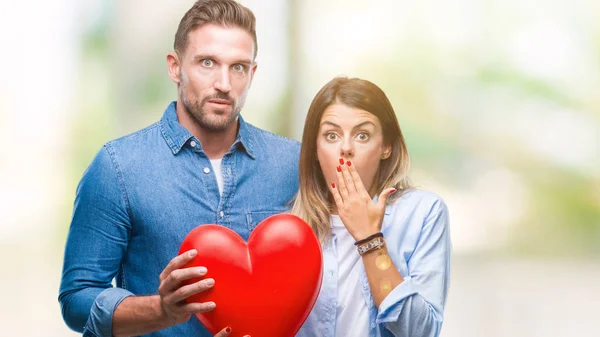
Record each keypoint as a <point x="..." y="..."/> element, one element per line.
<point x="314" y="203"/>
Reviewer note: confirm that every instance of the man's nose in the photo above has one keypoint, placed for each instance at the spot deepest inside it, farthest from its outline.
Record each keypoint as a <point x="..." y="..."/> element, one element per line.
<point x="223" y="83"/>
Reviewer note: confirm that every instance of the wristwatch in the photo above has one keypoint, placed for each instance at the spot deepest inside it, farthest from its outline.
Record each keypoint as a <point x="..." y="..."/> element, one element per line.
<point x="376" y="243"/>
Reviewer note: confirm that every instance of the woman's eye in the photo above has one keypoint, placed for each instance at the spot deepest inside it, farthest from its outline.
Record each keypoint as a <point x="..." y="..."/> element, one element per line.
<point x="331" y="136"/>
<point x="362" y="136"/>
<point x="207" y="63"/>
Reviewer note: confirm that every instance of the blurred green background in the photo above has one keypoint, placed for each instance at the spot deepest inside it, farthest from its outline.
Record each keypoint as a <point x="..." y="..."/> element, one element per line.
<point x="499" y="102"/>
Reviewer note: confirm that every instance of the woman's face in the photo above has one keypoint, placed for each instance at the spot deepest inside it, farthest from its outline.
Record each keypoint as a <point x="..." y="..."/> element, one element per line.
<point x="351" y="134"/>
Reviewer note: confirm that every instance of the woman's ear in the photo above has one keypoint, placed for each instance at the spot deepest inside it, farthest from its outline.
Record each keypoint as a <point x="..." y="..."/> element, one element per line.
<point x="387" y="151"/>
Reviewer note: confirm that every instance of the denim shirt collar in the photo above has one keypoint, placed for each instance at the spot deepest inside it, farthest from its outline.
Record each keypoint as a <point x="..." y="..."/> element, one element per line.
<point x="176" y="135"/>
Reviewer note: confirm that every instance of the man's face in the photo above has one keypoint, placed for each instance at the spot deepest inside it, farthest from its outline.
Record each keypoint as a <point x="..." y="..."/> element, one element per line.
<point x="215" y="74"/>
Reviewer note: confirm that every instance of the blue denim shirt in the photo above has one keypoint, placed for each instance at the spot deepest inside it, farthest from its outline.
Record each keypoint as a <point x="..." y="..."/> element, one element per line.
<point x="417" y="235"/>
<point x="141" y="196"/>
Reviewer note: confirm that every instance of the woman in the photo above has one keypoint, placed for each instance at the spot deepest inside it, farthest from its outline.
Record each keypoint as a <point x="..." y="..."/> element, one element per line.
<point x="386" y="246"/>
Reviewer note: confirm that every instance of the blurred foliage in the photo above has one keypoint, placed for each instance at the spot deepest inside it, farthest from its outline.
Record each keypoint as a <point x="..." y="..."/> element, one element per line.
<point x="563" y="215"/>
<point x="94" y="122"/>
<point x="438" y="95"/>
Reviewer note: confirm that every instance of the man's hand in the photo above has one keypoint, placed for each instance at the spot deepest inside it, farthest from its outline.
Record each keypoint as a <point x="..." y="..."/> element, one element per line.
<point x="140" y="315"/>
<point x="173" y="292"/>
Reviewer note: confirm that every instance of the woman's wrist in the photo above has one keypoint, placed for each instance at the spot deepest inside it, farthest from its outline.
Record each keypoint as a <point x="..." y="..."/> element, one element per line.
<point x="363" y="238"/>
<point x="372" y="243"/>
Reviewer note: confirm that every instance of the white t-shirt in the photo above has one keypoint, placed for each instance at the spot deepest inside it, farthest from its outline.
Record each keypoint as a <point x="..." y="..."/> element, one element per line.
<point x="216" y="164"/>
<point x="352" y="314"/>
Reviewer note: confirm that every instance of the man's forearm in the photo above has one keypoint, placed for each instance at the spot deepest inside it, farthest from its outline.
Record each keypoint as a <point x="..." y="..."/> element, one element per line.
<point x="139" y="315"/>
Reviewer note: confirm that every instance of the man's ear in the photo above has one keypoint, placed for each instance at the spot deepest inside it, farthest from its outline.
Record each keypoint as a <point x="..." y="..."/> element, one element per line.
<point x="252" y="71"/>
<point x="174" y="67"/>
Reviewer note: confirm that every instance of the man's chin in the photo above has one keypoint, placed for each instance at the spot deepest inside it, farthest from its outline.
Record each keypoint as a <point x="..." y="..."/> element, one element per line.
<point x="221" y="113"/>
<point x="221" y="123"/>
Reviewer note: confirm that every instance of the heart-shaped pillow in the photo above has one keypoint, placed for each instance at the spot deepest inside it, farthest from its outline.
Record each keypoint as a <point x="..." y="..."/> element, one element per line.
<point x="264" y="288"/>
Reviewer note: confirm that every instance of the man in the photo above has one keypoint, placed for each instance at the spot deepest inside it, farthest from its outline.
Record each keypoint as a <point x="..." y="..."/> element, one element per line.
<point x="142" y="194"/>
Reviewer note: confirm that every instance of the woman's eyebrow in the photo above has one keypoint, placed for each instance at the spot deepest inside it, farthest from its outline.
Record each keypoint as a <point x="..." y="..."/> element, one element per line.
<point x="354" y="128"/>
<point x="363" y="124"/>
<point x="330" y="123"/>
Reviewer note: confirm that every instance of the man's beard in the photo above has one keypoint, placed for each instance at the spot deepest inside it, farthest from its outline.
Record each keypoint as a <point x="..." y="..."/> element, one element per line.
<point x="211" y="122"/>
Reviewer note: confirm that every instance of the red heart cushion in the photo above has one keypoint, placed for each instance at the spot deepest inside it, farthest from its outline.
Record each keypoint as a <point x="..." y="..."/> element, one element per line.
<point x="265" y="288"/>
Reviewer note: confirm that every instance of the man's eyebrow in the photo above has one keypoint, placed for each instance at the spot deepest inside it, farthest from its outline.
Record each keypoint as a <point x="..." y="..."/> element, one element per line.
<point x="213" y="57"/>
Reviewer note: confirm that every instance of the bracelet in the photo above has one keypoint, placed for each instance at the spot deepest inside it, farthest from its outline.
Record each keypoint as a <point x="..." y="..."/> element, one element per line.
<point x="375" y="244"/>
<point x="368" y="238"/>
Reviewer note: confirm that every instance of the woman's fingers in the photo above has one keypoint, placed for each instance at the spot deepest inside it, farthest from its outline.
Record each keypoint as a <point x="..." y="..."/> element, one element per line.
<point x="341" y="182"/>
<point x="336" y="195"/>
<point x="347" y="177"/>
<point x="384" y="196"/>
<point x="360" y="188"/>
<point x="224" y="332"/>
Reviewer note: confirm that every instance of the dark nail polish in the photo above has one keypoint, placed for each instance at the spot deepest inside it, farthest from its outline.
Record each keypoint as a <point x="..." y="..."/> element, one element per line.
<point x="333" y="185"/>
<point x="339" y="169"/>
<point x="228" y="329"/>
<point x="342" y="161"/>
<point x="394" y="191"/>
<point x="349" y="163"/>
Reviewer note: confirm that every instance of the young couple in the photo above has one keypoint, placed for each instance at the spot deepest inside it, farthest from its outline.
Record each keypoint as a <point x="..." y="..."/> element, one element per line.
<point x="386" y="246"/>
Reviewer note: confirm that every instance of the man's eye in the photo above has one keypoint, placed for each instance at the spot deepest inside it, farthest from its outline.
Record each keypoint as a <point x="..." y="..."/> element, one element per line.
<point x="239" y="68"/>
<point x="207" y="63"/>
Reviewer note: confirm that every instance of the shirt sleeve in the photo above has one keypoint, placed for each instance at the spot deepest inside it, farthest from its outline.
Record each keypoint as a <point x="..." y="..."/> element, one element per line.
<point x="415" y="307"/>
<point x="96" y="243"/>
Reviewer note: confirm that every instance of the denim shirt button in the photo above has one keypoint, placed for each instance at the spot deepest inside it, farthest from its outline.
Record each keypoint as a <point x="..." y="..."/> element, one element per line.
<point x="372" y="325"/>
<point x="222" y="214"/>
<point x="193" y="143"/>
<point x="206" y="170"/>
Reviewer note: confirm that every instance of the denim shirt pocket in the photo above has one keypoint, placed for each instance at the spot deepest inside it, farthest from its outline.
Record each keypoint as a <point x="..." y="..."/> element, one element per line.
<point x="255" y="217"/>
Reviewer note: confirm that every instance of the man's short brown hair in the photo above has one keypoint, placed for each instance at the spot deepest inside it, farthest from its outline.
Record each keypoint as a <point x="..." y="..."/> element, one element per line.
<point x="226" y="13"/>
